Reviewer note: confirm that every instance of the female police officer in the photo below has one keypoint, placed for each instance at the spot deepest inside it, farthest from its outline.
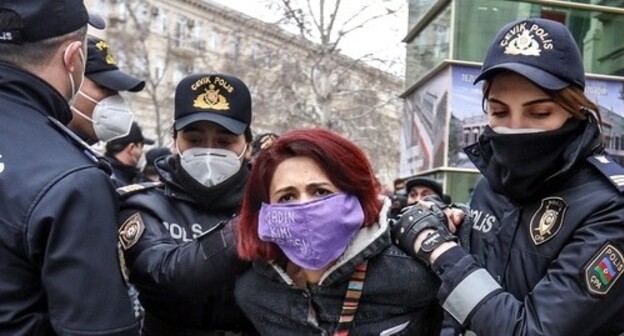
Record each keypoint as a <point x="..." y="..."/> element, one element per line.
<point x="546" y="239"/>
<point x="178" y="249"/>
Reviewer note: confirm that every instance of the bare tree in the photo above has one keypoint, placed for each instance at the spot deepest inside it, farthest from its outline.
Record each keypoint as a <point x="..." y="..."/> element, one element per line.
<point x="137" y="28"/>
<point x="298" y="76"/>
<point x="327" y="89"/>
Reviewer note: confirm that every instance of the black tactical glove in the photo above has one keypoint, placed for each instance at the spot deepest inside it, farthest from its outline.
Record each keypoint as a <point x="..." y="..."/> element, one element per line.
<point x="466" y="222"/>
<point x="413" y="220"/>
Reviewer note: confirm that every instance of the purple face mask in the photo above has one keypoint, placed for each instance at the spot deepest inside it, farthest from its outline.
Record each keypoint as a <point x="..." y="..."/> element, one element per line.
<point x="314" y="233"/>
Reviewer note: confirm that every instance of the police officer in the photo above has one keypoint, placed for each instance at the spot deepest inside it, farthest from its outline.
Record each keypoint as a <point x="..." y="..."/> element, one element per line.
<point x="420" y="187"/>
<point x="261" y="142"/>
<point x="99" y="112"/>
<point x="59" y="273"/>
<point x="124" y="155"/>
<point x="546" y="240"/>
<point x="177" y="235"/>
<point x="149" y="173"/>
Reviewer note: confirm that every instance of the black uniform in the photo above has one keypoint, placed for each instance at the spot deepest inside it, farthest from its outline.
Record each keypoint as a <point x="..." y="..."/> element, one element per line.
<point x="550" y="265"/>
<point x="122" y="173"/>
<point x="59" y="270"/>
<point x="181" y="253"/>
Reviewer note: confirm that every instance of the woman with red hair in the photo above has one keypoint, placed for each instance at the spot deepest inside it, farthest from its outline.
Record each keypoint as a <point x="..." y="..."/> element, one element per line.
<point x="315" y="228"/>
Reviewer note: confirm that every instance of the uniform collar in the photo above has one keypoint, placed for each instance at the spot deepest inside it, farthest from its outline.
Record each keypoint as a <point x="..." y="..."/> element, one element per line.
<point x="33" y="91"/>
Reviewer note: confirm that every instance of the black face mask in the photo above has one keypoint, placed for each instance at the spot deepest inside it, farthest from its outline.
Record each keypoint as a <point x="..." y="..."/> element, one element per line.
<point x="522" y="163"/>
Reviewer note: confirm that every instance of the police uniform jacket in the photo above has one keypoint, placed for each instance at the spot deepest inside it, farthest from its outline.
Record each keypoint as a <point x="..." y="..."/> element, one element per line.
<point x="398" y="295"/>
<point x="551" y="265"/>
<point x="123" y="174"/>
<point x="59" y="270"/>
<point x="181" y="255"/>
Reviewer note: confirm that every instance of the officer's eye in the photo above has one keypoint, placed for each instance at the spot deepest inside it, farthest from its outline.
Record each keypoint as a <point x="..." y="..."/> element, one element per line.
<point x="498" y="114"/>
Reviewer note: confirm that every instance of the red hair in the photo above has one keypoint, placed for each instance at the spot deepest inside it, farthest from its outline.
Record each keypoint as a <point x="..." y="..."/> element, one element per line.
<point x="344" y="163"/>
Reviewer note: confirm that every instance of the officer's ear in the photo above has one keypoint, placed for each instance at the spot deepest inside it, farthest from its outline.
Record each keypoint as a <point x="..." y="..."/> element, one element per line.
<point x="133" y="146"/>
<point x="73" y="56"/>
<point x="248" y="151"/>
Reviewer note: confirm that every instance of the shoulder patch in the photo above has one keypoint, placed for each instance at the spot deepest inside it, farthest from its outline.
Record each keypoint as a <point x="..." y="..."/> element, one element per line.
<point x="604" y="270"/>
<point x="137" y="187"/>
<point x="610" y="169"/>
<point x="131" y="230"/>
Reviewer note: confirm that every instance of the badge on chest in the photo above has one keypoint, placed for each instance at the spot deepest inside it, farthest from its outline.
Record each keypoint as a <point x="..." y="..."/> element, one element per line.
<point x="547" y="220"/>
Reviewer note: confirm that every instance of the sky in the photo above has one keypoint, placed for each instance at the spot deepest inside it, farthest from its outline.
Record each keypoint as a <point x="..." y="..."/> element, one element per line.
<point x="383" y="38"/>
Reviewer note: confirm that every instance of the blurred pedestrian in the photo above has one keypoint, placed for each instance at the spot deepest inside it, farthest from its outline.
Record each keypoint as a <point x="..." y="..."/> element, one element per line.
<point x="315" y="228"/>
<point x="124" y="155"/>
<point x="59" y="273"/>
<point x="419" y="187"/>
<point x="260" y="142"/>
<point x="399" y="185"/>
<point x="149" y="172"/>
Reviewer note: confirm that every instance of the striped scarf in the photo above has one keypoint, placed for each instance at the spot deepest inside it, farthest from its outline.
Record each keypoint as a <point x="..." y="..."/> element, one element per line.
<point x="351" y="301"/>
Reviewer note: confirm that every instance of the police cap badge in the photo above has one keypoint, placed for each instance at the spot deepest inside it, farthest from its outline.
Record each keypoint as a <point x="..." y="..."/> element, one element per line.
<point x="219" y="98"/>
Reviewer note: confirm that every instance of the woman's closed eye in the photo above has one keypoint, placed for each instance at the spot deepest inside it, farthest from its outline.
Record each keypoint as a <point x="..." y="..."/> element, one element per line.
<point x="540" y="115"/>
<point x="499" y="114"/>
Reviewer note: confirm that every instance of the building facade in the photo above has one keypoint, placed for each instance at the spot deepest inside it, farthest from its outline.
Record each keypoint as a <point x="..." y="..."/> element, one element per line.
<point x="294" y="82"/>
<point x="446" y="42"/>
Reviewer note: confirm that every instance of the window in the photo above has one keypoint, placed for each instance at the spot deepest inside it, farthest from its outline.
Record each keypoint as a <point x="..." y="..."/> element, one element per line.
<point x="159" y="19"/>
<point x="159" y="67"/>
<point x="178" y="74"/>
<point x="181" y="31"/>
<point x="235" y="47"/>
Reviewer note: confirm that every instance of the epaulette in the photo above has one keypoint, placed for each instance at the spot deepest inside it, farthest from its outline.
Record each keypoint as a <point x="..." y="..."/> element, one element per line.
<point x="609" y="168"/>
<point x="130" y="189"/>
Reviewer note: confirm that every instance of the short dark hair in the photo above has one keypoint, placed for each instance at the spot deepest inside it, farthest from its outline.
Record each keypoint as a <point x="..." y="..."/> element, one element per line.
<point x="114" y="147"/>
<point x="398" y="180"/>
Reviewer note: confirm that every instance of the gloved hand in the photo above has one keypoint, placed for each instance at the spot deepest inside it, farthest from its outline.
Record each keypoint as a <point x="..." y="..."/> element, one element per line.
<point x="457" y="214"/>
<point x="413" y="220"/>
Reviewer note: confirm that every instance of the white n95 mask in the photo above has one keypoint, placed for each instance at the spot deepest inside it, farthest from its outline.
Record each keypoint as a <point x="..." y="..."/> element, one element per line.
<point x="210" y="166"/>
<point x="112" y="117"/>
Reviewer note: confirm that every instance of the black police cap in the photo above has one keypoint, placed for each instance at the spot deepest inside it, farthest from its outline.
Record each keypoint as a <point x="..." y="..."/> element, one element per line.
<point x="37" y="20"/>
<point x="102" y="68"/>
<point x="219" y="98"/>
<point x="154" y="153"/>
<point x="543" y="51"/>
<point x="424" y="182"/>
<point x="135" y="135"/>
